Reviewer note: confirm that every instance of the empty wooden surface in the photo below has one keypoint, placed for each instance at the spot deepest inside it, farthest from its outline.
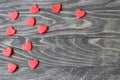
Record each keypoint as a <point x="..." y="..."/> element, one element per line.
<point x="72" y="49"/>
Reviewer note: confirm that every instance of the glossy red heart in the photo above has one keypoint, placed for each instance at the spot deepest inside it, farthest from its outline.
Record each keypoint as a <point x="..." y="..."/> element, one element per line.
<point x="14" y="15"/>
<point x="34" y="8"/>
<point x="56" y="7"/>
<point x="7" y="51"/>
<point x="42" y="28"/>
<point x="80" y="13"/>
<point x="33" y="63"/>
<point x="10" y="31"/>
<point x="12" y="67"/>
<point x="27" y="45"/>
<point x="31" y="21"/>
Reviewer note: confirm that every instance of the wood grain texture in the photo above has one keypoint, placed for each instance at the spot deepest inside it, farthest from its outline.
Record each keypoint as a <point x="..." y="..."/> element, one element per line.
<point x="72" y="49"/>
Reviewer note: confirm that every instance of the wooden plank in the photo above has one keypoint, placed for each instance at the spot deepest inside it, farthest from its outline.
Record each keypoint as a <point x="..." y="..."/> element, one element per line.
<point x="99" y="21"/>
<point x="58" y="55"/>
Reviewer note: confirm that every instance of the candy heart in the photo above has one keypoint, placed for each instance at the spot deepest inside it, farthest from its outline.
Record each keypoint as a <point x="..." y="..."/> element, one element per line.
<point x="34" y="8"/>
<point x="14" y="15"/>
<point x="12" y="67"/>
<point x="56" y="7"/>
<point x="31" y="21"/>
<point x="80" y="13"/>
<point x="27" y="45"/>
<point x="10" y="31"/>
<point x="42" y="28"/>
<point x="33" y="63"/>
<point x="7" y="51"/>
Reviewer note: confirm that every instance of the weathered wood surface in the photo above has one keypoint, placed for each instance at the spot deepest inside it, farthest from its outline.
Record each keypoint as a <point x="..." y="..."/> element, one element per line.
<point x="72" y="49"/>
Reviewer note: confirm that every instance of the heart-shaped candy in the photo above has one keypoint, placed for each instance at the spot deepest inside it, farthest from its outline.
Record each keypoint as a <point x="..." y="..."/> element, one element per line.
<point x="56" y="7"/>
<point x="10" y="31"/>
<point x="42" y="28"/>
<point x="33" y="63"/>
<point x="7" y="51"/>
<point x="34" y="8"/>
<point x="31" y="21"/>
<point x="80" y="13"/>
<point x="14" y="15"/>
<point x="12" y="67"/>
<point x="27" y="45"/>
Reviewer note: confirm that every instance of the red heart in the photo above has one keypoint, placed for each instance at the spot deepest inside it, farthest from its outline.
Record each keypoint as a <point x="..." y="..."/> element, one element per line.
<point x="80" y="13"/>
<point x="34" y="8"/>
<point x="27" y="45"/>
<point x="33" y="63"/>
<point x="42" y="28"/>
<point x="56" y="7"/>
<point x="10" y="31"/>
<point x="31" y="21"/>
<point x="7" y="51"/>
<point x="13" y="15"/>
<point x="12" y="67"/>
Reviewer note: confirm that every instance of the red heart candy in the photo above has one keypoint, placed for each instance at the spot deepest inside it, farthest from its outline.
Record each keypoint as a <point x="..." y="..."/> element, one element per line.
<point x="7" y="51"/>
<point x="27" y="45"/>
<point x="42" y="28"/>
<point x="56" y="7"/>
<point x="33" y="63"/>
<point x="80" y="13"/>
<point x="10" y="31"/>
<point x="31" y="21"/>
<point x="34" y="8"/>
<point x="14" y="15"/>
<point x="12" y="67"/>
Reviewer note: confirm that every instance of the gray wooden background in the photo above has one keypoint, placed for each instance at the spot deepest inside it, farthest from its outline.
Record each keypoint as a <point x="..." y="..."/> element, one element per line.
<point x="72" y="49"/>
